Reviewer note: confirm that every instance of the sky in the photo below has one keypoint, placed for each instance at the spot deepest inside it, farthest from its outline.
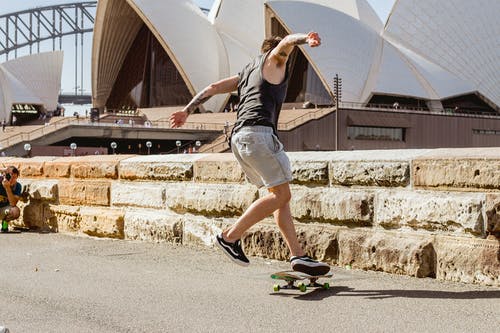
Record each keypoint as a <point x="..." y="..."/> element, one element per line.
<point x="68" y="85"/>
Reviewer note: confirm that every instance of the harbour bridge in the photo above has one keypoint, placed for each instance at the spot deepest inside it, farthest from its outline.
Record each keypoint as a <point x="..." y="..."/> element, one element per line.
<point x="33" y="30"/>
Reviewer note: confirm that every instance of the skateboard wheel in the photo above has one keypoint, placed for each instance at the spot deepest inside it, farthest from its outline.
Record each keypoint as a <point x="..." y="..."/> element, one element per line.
<point x="302" y="287"/>
<point x="326" y="285"/>
<point x="276" y="287"/>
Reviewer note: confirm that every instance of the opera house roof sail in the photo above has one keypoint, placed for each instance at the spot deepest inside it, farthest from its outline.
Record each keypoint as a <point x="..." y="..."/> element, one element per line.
<point x="33" y="80"/>
<point x="150" y="53"/>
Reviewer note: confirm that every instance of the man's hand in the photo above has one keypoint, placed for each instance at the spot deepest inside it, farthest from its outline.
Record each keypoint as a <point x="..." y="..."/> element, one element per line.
<point x="313" y="39"/>
<point x="5" y="183"/>
<point x="177" y="119"/>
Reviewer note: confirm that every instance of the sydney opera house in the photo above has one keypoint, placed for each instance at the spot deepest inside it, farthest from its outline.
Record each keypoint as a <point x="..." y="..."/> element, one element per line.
<point x="29" y="86"/>
<point x="428" y="77"/>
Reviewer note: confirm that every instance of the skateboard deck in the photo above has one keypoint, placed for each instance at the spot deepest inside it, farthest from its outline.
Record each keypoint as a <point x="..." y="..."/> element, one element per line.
<point x="291" y="277"/>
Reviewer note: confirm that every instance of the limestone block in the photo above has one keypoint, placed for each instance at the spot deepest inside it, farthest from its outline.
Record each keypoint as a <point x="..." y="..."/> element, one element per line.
<point x="153" y="226"/>
<point x="430" y="210"/>
<point x="32" y="167"/>
<point x="218" y="168"/>
<point x="97" y="166"/>
<point x="200" y="230"/>
<point x="58" y="168"/>
<point x="159" y="167"/>
<point x="209" y="199"/>
<point x="468" y="260"/>
<point x="135" y="194"/>
<point x="332" y="205"/>
<point x="310" y="167"/>
<point x="67" y="218"/>
<point x="84" y="192"/>
<point x="45" y="190"/>
<point x="475" y="168"/>
<point x="318" y="241"/>
<point x="492" y="209"/>
<point x="102" y="222"/>
<point x="37" y="215"/>
<point x="370" y="173"/>
<point x="397" y="253"/>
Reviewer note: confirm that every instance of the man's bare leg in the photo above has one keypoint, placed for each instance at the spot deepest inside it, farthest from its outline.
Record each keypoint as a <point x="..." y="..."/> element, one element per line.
<point x="284" y="220"/>
<point x="278" y="197"/>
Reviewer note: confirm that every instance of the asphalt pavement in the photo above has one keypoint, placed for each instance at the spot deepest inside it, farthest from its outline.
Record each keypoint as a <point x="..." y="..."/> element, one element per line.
<point x="60" y="283"/>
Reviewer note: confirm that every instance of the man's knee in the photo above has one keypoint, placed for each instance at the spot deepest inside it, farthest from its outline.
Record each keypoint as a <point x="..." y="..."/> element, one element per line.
<point x="282" y="193"/>
<point x="13" y="214"/>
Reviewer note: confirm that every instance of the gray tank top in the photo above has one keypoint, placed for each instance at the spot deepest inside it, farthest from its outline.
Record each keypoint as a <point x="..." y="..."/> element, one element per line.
<point x="260" y="101"/>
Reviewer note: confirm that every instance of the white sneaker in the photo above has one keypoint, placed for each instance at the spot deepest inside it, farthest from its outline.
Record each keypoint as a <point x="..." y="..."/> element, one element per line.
<point x="306" y="264"/>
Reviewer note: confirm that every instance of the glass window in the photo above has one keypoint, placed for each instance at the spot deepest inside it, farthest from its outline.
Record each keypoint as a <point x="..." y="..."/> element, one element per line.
<point x="375" y="133"/>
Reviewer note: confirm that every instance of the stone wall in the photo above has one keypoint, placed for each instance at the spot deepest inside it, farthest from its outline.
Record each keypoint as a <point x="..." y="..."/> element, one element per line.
<point x="423" y="213"/>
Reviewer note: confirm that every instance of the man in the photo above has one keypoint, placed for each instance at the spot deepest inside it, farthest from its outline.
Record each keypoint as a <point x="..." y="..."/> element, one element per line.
<point x="261" y="86"/>
<point x="10" y="192"/>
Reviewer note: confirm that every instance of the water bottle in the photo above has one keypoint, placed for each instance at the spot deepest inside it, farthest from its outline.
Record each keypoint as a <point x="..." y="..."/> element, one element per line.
<point x="5" y="228"/>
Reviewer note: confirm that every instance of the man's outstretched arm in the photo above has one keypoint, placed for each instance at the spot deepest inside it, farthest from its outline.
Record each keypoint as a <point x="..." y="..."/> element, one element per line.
<point x="282" y="51"/>
<point x="227" y="85"/>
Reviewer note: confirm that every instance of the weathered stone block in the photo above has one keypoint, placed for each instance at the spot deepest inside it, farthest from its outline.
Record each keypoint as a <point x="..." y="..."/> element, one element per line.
<point x="492" y="209"/>
<point x="159" y="167"/>
<point x="58" y="168"/>
<point x="67" y="218"/>
<point x="390" y="252"/>
<point x="37" y="215"/>
<point x="318" y="241"/>
<point x="138" y="194"/>
<point x="101" y="222"/>
<point x="370" y="173"/>
<point x="475" y="168"/>
<point x="435" y="211"/>
<point x="45" y="190"/>
<point x="32" y="167"/>
<point x="100" y="166"/>
<point x="84" y="192"/>
<point x="310" y="167"/>
<point x="153" y="226"/>
<point x="331" y="205"/>
<point x="218" y="168"/>
<point x="209" y="199"/>
<point x="468" y="260"/>
<point x="200" y="230"/>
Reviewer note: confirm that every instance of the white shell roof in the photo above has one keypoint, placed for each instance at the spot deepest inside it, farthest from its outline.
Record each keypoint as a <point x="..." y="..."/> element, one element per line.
<point x="33" y="79"/>
<point x="349" y="51"/>
<point x="462" y="37"/>
<point x="428" y="49"/>
<point x="190" y="40"/>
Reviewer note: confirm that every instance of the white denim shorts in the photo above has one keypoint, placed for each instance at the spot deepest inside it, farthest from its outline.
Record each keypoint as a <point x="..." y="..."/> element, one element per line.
<point x="261" y="156"/>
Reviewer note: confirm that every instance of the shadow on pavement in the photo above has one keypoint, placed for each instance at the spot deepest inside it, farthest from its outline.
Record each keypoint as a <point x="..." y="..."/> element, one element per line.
<point x="342" y="291"/>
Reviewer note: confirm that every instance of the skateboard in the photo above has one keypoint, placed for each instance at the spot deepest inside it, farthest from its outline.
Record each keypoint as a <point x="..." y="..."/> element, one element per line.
<point x="291" y="276"/>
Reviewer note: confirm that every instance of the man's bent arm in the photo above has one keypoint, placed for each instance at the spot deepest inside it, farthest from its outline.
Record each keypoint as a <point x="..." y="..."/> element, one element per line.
<point x="285" y="47"/>
<point x="223" y="86"/>
<point x="177" y="119"/>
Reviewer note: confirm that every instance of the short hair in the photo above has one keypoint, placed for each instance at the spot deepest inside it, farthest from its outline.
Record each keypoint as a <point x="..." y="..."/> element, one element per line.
<point x="270" y="43"/>
<point x="14" y="170"/>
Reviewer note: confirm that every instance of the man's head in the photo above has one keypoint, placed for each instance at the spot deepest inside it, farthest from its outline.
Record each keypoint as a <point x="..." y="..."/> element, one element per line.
<point x="270" y="43"/>
<point x="14" y="174"/>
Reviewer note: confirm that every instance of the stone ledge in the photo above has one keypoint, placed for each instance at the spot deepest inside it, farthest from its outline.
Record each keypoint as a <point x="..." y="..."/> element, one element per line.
<point x="84" y="192"/>
<point x="159" y="167"/>
<point x="218" y="200"/>
<point x="471" y="168"/>
<point x="468" y="260"/>
<point x="450" y="212"/>
<point x="153" y="226"/>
